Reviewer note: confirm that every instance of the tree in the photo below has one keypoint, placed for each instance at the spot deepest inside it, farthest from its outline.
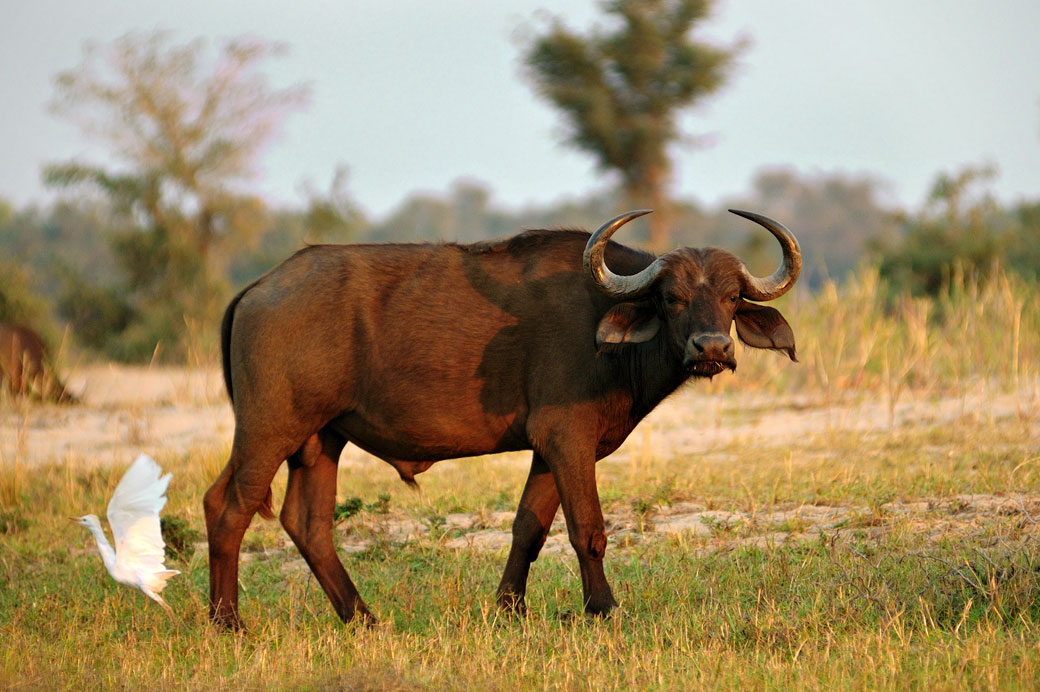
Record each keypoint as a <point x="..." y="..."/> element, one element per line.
<point x="960" y="229"/>
<point x="186" y="128"/>
<point x="620" y="91"/>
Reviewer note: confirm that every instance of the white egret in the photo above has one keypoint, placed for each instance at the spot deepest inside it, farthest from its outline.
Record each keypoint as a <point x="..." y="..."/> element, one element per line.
<point x="133" y="513"/>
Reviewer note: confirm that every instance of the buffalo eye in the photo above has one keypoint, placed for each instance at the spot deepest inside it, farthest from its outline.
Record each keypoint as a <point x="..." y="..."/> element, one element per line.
<point x="674" y="300"/>
<point x="734" y="299"/>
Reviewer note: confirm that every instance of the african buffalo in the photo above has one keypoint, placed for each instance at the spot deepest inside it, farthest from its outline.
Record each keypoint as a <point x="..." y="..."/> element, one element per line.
<point x="26" y="367"/>
<point x="419" y="353"/>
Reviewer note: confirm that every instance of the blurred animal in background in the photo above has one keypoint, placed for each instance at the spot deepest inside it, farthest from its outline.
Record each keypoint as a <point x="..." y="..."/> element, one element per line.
<point x="26" y="367"/>
<point x="133" y="514"/>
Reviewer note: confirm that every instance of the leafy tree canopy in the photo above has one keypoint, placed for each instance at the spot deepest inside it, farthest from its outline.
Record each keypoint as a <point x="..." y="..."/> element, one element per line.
<point x="187" y="127"/>
<point x="620" y="89"/>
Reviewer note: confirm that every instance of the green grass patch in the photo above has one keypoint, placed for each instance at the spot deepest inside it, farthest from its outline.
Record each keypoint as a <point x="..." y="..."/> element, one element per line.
<point x="876" y="601"/>
<point x="827" y="614"/>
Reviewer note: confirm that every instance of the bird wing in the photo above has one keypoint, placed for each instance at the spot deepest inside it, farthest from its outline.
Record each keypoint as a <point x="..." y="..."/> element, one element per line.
<point x="133" y="513"/>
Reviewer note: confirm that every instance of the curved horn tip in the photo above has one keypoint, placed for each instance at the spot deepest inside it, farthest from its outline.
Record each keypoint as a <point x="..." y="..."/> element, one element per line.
<point x="774" y="286"/>
<point x="771" y="225"/>
<point x="634" y="214"/>
<point x="746" y="214"/>
<point x="607" y="229"/>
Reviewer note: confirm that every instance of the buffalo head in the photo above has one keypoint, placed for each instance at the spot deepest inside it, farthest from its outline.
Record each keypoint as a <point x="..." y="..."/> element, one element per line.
<point x="692" y="296"/>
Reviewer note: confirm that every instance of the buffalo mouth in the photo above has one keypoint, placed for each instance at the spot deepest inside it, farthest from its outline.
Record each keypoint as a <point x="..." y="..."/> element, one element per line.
<point x="709" y="368"/>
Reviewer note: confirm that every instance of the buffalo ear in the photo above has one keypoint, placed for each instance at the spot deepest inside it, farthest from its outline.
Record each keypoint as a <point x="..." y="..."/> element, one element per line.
<point x="627" y="323"/>
<point x="760" y="326"/>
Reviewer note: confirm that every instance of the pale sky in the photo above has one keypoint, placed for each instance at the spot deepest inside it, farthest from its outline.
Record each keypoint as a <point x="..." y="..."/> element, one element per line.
<point x="413" y="95"/>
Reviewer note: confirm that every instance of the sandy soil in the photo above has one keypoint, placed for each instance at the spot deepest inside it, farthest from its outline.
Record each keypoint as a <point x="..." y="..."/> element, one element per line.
<point x="168" y="411"/>
<point x="124" y="411"/>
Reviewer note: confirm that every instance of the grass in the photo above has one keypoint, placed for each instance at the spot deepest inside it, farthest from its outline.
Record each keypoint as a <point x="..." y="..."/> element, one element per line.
<point x="915" y="585"/>
<point x="865" y="606"/>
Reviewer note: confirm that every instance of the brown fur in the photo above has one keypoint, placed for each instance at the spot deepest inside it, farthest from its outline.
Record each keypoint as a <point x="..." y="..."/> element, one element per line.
<point x="25" y="365"/>
<point x="418" y="353"/>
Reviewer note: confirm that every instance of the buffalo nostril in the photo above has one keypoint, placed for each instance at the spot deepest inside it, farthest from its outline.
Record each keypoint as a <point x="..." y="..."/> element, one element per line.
<point x="713" y="346"/>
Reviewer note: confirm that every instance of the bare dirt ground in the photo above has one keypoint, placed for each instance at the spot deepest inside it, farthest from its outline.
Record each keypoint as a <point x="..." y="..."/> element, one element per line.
<point x="126" y="410"/>
<point x="161" y="411"/>
<point x="930" y="519"/>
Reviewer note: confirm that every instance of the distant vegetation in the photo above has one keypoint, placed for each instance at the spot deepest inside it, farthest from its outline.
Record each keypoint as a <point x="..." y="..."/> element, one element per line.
<point x="963" y="229"/>
<point x="60" y="266"/>
<point x="139" y="257"/>
<point x="186" y="126"/>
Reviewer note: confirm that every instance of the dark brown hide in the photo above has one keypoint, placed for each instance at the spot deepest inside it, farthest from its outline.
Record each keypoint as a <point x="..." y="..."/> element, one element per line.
<point x="25" y="366"/>
<point x="418" y="353"/>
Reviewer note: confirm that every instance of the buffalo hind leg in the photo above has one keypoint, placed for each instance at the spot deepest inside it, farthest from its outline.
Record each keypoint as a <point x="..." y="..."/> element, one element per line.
<point x="307" y="515"/>
<point x="538" y="506"/>
<point x="241" y="489"/>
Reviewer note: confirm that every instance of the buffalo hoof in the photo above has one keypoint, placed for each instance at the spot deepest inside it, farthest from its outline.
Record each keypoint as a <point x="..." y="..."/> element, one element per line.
<point x="512" y="603"/>
<point x="227" y="622"/>
<point x="364" y="619"/>
<point x="360" y="617"/>
<point x="600" y="607"/>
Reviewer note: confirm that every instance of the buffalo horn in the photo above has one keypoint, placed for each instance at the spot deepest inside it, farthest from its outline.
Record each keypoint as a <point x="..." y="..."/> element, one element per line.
<point x="780" y="281"/>
<point x="613" y="284"/>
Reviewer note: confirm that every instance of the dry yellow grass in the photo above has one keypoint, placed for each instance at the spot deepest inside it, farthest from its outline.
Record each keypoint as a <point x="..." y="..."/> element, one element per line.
<point x="865" y="520"/>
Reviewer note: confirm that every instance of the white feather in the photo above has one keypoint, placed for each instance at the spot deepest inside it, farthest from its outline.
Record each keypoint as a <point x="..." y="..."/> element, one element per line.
<point x="133" y="513"/>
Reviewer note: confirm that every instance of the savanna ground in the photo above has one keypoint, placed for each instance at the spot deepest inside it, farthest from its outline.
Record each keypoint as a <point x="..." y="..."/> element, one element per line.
<point x="866" y="519"/>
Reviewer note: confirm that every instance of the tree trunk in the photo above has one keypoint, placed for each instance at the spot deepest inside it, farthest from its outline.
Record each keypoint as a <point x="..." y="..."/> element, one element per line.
<point x="650" y="192"/>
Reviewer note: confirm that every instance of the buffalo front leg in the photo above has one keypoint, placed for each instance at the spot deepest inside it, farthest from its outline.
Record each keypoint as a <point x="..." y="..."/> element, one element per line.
<point x="534" y="516"/>
<point x="575" y="473"/>
<point x="307" y="516"/>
